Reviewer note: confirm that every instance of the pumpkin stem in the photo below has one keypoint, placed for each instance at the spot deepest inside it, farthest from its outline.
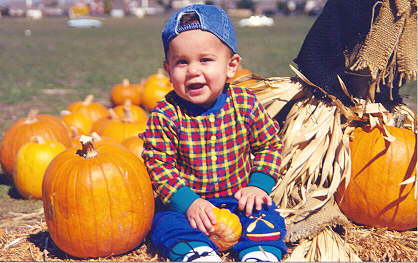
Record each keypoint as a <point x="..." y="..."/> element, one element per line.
<point x="125" y="82"/>
<point x="128" y="113"/>
<point x="96" y="136"/>
<point x="37" y="139"/>
<point x="112" y="114"/>
<point x="31" y="118"/>
<point x="88" y="151"/>
<point x="160" y="71"/>
<point x="65" y="112"/>
<point x="88" y="100"/>
<point x="73" y="131"/>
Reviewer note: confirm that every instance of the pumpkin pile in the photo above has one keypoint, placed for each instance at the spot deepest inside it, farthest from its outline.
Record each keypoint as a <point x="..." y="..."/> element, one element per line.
<point x="86" y="166"/>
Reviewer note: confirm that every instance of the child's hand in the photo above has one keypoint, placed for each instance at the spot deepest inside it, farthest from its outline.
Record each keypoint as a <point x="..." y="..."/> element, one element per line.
<point x="200" y="215"/>
<point x="249" y="196"/>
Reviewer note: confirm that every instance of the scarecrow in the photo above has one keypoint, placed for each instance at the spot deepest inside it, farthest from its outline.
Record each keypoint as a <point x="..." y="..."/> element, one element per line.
<point x="351" y="65"/>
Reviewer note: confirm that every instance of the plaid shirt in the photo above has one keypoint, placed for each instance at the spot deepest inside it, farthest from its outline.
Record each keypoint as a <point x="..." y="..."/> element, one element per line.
<point x="210" y="153"/>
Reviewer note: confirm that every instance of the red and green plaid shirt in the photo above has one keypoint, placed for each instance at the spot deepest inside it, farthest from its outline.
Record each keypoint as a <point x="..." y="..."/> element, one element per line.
<point x="210" y="152"/>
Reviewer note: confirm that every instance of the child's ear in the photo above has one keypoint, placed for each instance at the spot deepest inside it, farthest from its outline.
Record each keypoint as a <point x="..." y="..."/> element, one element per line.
<point x="166" y="68"/>
<point x="233" y="65"/>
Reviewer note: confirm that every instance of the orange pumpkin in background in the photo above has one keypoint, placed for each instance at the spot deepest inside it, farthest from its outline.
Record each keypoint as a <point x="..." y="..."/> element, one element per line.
<point x="98" y="200"/>
<point x="89" y="108"/>
<point x="135" y="145"/>
<point x="240" y="77"/>
<point x="375" y="196"/>
<point x="137" y="113"/>
<point x="47" y="126"/>
<point x="120" y="129"/>
<point x="155" y="88"/>
<point x="97" y="125"/>
<point x="228" y="229"/>
<point x="78" y="121"/>
<point x="31" y="162"/>
<point x="126" y="91"/>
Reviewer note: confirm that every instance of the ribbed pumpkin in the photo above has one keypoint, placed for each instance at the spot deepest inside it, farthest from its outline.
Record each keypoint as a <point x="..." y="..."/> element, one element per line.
<point x="228" y="229"/>
<point x="47" y="126"/>
<point x="126" y="91"/>
<point x="155" y="88"/>
<point x="98" y="200"/>
<point x="135" y="145"/>
<point x="374" y="196"/>
<point x="31" y="162"/>
<point x="120" y="129"/>
<point x="89" y="108"/>
<point x="78" y="120"/>
<point x="138" y="114"/>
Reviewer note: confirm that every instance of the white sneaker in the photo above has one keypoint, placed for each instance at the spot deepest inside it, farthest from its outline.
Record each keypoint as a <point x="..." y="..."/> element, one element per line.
<point x="202" y="254"/>
<point x="259" y="256"/>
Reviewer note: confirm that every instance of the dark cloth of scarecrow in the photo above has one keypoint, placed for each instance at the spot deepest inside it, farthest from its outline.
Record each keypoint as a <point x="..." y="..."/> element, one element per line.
<point x="372" y="40"/>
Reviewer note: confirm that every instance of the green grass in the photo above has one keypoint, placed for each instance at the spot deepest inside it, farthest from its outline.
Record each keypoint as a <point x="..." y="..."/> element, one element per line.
<point x="91" y="60"/>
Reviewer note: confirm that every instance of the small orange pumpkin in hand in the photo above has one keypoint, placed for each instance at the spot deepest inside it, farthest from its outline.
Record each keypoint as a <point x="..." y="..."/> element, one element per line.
<point x="228" y="229"/>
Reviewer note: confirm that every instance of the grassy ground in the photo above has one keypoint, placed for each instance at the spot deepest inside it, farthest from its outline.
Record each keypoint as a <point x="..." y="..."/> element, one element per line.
<point x="75" y="62"/>
<point x="47" y="54"/>
<point x="40" y="56"/>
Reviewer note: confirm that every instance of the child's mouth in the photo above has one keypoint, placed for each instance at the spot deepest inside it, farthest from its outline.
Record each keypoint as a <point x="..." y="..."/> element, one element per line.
<point x="195" y="86"/>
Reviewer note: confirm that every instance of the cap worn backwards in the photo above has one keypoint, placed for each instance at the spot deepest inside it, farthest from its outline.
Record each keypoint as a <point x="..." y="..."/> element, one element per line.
<point x="210" y="18"/>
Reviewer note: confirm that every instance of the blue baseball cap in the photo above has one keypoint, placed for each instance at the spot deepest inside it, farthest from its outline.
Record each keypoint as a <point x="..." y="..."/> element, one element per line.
<point x="211" y="18"/>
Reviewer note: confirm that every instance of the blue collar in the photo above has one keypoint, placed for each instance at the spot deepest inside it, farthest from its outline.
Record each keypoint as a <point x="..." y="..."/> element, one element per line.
<point x="198" y="110"/>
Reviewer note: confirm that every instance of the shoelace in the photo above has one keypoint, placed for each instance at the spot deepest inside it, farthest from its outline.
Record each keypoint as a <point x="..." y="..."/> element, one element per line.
<point x="196" y="255"/>
<point x="192" y="257"/>
<point x="256" y="259"/>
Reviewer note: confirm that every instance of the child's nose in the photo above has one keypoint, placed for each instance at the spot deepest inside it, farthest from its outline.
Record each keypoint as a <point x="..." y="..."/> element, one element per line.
<point x="193" y="69"/>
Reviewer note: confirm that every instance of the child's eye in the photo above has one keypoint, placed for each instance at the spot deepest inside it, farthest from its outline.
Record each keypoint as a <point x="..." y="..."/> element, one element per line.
<point x="181" y="62"/>
<point x="206" y="59"/>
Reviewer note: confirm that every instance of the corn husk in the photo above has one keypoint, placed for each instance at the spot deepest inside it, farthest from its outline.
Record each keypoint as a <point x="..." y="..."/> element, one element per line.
<point x="326" y="246"/>
<point x="316" y="154"/>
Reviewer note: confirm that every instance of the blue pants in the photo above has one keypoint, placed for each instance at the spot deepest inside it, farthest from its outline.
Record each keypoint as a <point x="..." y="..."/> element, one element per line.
<point x="263" y="228"/>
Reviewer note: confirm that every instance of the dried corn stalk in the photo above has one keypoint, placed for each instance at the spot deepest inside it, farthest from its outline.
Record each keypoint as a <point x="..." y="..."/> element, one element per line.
<point x="316" y="154"/>
<point x="326" y="246"/>
<point x="316" y="139"/>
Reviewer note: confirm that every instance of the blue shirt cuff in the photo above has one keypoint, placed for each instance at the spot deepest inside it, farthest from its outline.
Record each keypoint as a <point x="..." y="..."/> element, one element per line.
<point x="263" y="181"/>
<point x="182" y="199"/>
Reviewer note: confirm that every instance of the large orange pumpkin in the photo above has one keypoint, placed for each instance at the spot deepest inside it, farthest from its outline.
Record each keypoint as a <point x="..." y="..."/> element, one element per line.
<point x="47" y="126"/>
<point x="98" y="200"/>
<point x="126" y="91"/>
<point x="89" y="108"/>
<point x="155" y="88"/>
<point x="31" y="162"/>
<point x="374" y="196"/>
<point x="228" y="229"/>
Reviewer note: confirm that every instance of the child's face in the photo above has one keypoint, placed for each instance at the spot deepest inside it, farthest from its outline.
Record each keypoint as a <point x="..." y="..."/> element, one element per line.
<point x="199" y="64"/>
